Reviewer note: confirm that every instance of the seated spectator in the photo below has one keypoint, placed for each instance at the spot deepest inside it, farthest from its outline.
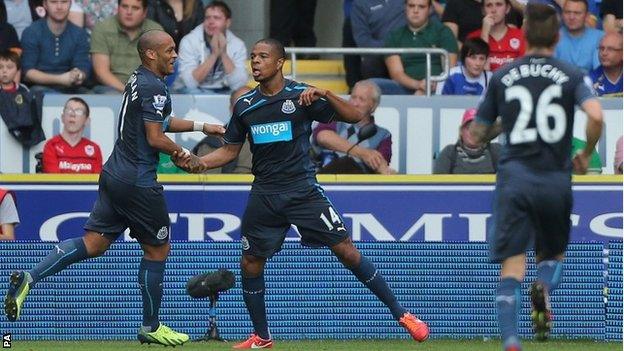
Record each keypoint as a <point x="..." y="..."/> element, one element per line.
<point x="177" y="17"/>
<point x="467" y="156"/>
<point x="506" y="42"/>
<point x="9" y="217"/>
<point x="578" y="44"/>
<point x="22" y="13"/>
<point x="8" y="35"/>
<point x="70" y="152"/>
<point x="19" y="108"/>
<point x="408" y="72"/>
<point x="55" y="55"/>
<point x="212" y="59"/>
<point x="611" y="14"/>
<point x="469" y="77"/>
<point x="617" y="161"/>
<point x="371" y="21"/>
<point x="607" y="78"/>
<point x="114" y="45"/>
<point x="87" y="13"/>
<point x="336" y="138"/>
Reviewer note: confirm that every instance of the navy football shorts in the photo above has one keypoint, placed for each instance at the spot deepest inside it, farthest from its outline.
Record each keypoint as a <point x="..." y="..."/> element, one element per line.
<point x="120" y="206"/>
<point x="268" y="217"/>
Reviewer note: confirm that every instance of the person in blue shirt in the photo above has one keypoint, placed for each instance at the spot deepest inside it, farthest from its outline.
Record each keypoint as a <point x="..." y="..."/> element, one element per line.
<point x="276" y="117"/>
<point x="578" y="43"/>
<point x="129" y="195"/>
<point x="470" y="76"/>
<point x="55" y="56"/>
<point x="607" y="78"/>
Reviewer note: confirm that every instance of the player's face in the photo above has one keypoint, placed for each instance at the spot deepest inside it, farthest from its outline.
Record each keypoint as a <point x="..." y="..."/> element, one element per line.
<point x="417" y="12"/>
<point x="362" y="99"/>
<point x="166" y="56"/>
<point x="8" y="71"/>
<point x="131" y="13"/>
<point x="497" y="9"/>
<point x="57" y="10"/>
<point x="574" y="15"/>
<point x="475" y="64"/>
<point x="610" y="51"/>
<point x="74" y="117"/>
<point x="265" y="63"/>
<point x="215" y="21"/>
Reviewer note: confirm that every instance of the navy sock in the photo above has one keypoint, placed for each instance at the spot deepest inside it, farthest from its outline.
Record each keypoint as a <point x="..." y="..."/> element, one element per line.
<point x="151" y="281"/>
<point x="375" y="282"/>
<point x="253" y="294"/>
<point x="549" y="273"/>
<point x="64" y="253"/>
<point x="508" y="303"/>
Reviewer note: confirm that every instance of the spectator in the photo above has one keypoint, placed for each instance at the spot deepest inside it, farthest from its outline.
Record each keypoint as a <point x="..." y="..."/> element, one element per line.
<point x="408" y="71"/>
<point x="617" y="161"/>
<point x="19" y="108"/>
<point x="611" y="13"/>
<point x="506" y="42"/>
<point x="22" y="13"/>
<point x="70" y="152"/>
<point x="372" y="21"/>
<point x="93" y="11"/>
<point x="114" y="45"/>
<point x="177" y="17"/>
<point x="607" y="78"/>
<point x="55" y="55"/>
<point x="578" y="44"/>
<point x="8" y="215"/>
<point x="241" y="164"/>
<point x="212" y="59"/>
<point x="467" y="156"/>
<point x="292" y="21"/>
<point x="8" y="35"/>
<point x="352" y="63"/>
<point x="336" y="138"/>
<point x="469" y="77"/>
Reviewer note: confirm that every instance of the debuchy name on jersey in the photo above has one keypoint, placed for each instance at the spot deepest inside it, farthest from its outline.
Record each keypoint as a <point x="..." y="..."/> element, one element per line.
<point x="535" y="97"/>
<point x="145" y="98"/>
<point x="278" y="129"/>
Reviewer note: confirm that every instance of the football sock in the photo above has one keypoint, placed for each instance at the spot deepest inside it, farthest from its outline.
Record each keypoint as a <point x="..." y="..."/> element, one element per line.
<point x="64" y="253"/>
<point x="151" y="282"/>
<point x="374" y="281"/>
<point x="549" y="273"/>
<point x="508" y="303"/>
<point x="253" y="294"/>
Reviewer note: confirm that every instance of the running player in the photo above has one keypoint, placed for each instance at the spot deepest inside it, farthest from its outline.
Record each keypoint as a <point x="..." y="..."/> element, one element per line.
<point x="129" y="195"/>
<point x="535" y="97"/>
<point x="277" y="116"/>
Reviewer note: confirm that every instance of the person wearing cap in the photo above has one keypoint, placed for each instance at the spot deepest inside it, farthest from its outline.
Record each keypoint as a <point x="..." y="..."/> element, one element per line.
<point x="467" y="156"/>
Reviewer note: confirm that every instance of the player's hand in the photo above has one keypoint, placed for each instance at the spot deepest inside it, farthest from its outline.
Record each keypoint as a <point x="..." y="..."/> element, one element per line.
<point x="310" y="95"/>
<point x="213" y="129"/>
<point x="580" y="163"/>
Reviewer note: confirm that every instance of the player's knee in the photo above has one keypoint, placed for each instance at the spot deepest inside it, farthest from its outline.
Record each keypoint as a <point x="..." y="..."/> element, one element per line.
<point x="252" y="266"/>
<point x="96" y="244"/>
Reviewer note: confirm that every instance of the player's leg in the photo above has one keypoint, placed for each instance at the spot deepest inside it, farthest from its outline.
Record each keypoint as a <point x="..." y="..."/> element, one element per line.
<point x="509" y="299"/>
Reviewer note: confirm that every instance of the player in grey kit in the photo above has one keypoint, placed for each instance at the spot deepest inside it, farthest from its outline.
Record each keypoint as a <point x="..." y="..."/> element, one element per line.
<point x="534" y="97"/>
<point x="129" y="195"/>
<point x="276" y="117"/>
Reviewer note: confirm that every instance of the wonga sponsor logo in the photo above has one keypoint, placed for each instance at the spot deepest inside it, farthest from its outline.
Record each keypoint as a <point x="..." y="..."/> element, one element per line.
<point x="271" y="132"/>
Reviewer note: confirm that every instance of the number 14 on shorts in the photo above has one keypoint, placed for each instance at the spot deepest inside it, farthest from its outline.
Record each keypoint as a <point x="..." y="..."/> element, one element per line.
<point x="334" y="219"/>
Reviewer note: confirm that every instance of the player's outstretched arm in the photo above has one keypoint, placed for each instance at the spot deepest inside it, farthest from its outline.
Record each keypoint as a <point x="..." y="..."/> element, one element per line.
<point x="344" y="111"/>
<point x="157" y="139"/>
<point x="177" y="125"/>
<point x="483" y="133"/>
<point x="593" y="130"/>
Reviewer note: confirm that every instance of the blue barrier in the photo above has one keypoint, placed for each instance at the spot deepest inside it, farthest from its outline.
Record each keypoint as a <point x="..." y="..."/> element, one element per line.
<point x="310" y="295"/>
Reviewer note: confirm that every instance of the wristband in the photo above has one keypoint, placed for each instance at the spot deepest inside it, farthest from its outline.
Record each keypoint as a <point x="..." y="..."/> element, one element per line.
<point x="198" y="126"/>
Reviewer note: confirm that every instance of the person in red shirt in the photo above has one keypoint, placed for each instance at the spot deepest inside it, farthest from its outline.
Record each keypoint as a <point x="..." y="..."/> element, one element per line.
<point x="506" y="42"/>
<point x="70" y="152"/>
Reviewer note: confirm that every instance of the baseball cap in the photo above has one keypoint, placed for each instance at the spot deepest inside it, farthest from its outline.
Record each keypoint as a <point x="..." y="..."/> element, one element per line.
<point x="468" y="116"/>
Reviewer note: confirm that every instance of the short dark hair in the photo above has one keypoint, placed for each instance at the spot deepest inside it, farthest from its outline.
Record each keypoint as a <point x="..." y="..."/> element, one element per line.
<point x="474" y="46"/>
<point x="143" y="2"/>
<point x="276" y="44"/>
<point x="507" y="2"/>
<point x="80" y="101"/>
<point x="9" y="55"/>
<point x="582" y="1"/>
<point x="219" y="5"/>
<point x="428" y="2"/>
<point x="541" y="25"/>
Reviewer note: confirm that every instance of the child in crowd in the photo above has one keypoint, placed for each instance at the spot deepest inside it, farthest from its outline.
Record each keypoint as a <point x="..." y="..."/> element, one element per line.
<point x="470" y="76"/>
